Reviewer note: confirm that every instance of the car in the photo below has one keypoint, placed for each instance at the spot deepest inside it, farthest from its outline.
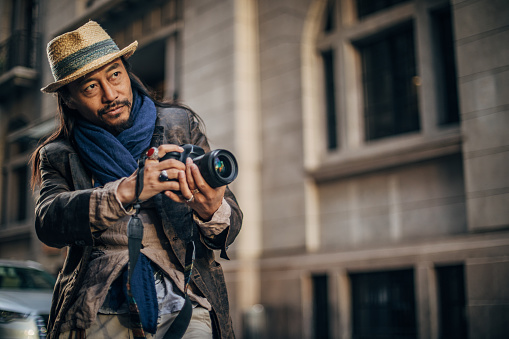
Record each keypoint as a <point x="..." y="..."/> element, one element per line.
<point x="25" y="299"/>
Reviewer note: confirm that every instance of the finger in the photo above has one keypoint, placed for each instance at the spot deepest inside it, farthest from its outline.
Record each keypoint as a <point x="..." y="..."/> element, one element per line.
<point x="173" y="196"/>
<point x="184" y="187"/>
<point x="199" y="181"/>
<point x="171" y="163"/>
<point x="158" y="166"/>
<point x="167" y="148"/>
<point x="168" y="186"/>
<point x="152" y="186"/>
<point x="189" y="175"/>
<point x="155" y="175"/>
<point x="168" y="174"/>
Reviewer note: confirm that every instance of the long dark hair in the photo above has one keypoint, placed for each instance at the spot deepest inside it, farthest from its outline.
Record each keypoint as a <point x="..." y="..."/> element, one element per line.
<point x="67" y="118"/>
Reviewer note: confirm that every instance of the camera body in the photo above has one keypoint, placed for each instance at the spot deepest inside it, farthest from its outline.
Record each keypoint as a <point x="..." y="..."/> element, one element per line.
<point x="218" y="167"/>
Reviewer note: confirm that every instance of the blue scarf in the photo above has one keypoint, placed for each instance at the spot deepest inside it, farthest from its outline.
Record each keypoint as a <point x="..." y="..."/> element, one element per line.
<point x="111" y="157"/>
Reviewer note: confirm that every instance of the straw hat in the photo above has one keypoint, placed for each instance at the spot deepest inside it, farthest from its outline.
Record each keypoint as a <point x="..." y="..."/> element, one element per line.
<point x="76" y="53"/>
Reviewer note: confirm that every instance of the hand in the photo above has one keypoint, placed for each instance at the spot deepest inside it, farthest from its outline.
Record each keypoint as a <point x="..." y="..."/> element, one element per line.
<point x="151" y="183"/>
<point x="195" y="192"/>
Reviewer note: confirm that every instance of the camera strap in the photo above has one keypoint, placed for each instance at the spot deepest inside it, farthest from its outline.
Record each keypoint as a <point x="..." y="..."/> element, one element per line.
<point x="135" y="236"/>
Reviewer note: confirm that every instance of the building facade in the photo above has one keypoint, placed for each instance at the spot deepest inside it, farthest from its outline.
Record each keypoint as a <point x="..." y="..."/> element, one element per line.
<point x="371" y="138"/>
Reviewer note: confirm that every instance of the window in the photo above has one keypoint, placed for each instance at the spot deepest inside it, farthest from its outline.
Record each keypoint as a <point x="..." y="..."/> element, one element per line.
<point x="19" y="48"/>
<point x="451" y="296"/>
<point x="321" y="325"/>
<point x="388" y="73"/>
<point x="25" y="278"/>
<point x="367" y="7"/>
<point x="15" y="182"/>
<point x="383" y="305"/>
<point x="157" y="29"/>
<point x="20" y="183"/>
<point x="148" y="63"/>
<point x="329" y="19"/>
<point x="386" y="84"/>
<point x="445" y="70"/>
<point x="328" y="68"/>
<point x="3" y="209"/>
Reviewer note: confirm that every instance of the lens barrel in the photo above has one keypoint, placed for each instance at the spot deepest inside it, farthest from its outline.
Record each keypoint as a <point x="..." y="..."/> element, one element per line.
<point x="218" y="167"/>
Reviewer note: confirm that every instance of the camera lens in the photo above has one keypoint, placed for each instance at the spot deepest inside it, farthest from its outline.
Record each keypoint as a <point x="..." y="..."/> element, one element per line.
<point x="218" y="167"/>
<point x="222" y="165"/>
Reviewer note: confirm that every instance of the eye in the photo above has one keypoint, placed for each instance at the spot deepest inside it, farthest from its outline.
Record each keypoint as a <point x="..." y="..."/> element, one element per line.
<point x="115" y="76"/>
<point x="90" y="88"/>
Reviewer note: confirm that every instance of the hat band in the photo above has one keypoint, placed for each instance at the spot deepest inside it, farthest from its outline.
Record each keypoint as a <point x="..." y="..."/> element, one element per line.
<point x="83" y="57"/>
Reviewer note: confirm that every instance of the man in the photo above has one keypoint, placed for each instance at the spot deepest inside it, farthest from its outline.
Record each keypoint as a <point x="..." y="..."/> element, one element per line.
<point x="90" y="180"/>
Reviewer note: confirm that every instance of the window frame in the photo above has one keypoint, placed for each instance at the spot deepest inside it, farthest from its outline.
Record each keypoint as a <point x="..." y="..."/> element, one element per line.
<point x="354" y="153"/>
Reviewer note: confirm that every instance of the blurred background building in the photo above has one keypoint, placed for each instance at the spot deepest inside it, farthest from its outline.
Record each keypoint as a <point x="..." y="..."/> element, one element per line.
<point x="372" y="140"/>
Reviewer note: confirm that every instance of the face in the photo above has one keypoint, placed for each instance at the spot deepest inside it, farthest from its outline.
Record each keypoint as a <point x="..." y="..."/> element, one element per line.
<point x="104" y="97"/>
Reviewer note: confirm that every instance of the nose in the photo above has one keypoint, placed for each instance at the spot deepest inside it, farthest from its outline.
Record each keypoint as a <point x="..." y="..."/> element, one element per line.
<point x="109" y="92"/>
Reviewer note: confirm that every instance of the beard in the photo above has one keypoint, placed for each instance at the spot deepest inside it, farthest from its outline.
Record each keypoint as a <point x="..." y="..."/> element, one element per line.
<point x="120" y="126"/>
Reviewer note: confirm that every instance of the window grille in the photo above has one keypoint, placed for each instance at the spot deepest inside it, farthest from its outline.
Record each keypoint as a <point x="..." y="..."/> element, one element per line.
<point x="321" y="323"/>
<point x="451" y="296"/>
<point x="389" y="82"/>
<point x="383" y="305"/>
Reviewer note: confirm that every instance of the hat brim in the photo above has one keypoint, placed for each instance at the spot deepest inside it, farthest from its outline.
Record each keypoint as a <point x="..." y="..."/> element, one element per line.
<point x="96" y="64"/>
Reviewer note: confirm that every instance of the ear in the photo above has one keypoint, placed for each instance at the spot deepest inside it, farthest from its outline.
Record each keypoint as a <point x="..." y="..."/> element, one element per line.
<point x="69" y="101"/>
<point x="66" y="97"/>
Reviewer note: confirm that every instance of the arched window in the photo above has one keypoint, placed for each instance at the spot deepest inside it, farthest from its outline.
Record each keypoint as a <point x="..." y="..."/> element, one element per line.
<point x="384" y="84"/>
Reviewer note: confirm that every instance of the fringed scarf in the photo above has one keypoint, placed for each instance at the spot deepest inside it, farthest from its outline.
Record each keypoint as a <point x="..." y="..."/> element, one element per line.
<point x="110" y="157"/>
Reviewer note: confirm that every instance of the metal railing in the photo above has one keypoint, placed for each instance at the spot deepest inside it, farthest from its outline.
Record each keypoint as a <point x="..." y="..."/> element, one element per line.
<point x="21" y="49"/>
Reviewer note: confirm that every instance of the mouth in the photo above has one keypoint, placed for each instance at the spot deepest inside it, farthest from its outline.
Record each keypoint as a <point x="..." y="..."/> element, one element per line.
<point x="114" y="111"/>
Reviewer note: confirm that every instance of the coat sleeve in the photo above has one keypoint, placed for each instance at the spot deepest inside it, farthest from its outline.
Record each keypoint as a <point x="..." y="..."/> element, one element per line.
<point x="62" y="214"/>
<point x="226" y="238"/>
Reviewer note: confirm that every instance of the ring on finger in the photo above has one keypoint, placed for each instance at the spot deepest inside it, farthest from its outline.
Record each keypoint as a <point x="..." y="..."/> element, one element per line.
<point x="163" y="176"/>
<point x="190" y="199"/>
<point x="153" y="153"/>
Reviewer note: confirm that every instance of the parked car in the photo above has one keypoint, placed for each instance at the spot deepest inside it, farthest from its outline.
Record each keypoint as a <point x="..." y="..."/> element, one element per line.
<point x="25" y="299"/>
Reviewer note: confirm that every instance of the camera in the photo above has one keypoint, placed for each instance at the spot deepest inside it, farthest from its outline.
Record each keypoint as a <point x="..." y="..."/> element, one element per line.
<point x="218" y="167"/>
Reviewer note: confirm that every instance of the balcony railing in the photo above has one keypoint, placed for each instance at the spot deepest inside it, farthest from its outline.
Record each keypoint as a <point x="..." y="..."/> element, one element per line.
<point x="21" y="49"/>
